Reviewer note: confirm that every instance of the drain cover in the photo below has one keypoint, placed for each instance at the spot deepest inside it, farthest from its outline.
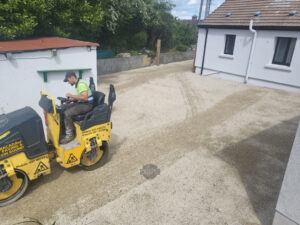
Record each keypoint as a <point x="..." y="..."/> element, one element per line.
<point x="150" y="171"/>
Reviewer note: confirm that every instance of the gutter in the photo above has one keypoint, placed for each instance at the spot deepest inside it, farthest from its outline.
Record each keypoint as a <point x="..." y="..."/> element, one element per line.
<point x="245" y="27"/>
<point x="251" y="52"/>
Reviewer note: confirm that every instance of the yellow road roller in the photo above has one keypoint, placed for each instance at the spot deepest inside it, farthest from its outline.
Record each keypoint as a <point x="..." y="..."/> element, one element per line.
<point x="25" y="155"/>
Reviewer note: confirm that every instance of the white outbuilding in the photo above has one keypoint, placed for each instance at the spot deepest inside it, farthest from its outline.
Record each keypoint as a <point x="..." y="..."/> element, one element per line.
<point x="263" y="52"/>
<point x="29" y="66"/>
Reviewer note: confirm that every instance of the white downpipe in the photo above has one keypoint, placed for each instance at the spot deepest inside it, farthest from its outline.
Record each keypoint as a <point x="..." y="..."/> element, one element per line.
<point x="251" y="52"/>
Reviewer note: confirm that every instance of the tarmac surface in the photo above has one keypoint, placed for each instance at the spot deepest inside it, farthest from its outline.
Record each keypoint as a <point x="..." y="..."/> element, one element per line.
<point x="185" y="149"/>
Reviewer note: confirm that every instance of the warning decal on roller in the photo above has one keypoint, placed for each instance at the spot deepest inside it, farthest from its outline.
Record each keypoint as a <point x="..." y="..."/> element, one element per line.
<point x="41" y="167"/>
<point x="72" y="158"/>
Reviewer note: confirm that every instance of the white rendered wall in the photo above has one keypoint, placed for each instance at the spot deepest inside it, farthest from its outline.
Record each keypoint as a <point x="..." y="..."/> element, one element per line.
<point x="262" y="71"/>
<point x="215" y="58"/>
<point x="20" y="83"/>
<point x="263" y="56"/>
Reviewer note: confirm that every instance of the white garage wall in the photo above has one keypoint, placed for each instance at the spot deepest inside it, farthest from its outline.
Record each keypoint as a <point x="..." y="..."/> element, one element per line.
<point x="20" y="83"/>
<point x="262" y="71"/>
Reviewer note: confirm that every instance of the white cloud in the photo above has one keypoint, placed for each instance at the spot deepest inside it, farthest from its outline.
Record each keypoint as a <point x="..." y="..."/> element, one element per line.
<point x="185" y="9"/>
<point x="193" y="2"/>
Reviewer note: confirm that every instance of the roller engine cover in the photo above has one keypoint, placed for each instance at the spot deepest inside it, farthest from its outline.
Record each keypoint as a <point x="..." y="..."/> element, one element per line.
<point x="22" y="131"/>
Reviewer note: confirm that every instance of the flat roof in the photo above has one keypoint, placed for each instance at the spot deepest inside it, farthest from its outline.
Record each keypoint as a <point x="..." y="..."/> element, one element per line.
<point x="42" y="44"/>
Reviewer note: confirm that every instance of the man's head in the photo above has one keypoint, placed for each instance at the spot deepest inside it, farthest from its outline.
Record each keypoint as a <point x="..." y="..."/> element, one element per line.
<point x="71" y="78"/>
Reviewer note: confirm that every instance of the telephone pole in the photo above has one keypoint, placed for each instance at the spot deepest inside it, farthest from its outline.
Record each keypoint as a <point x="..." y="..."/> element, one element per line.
<point x="200" y="10"/>
<point x="207" y="8"/>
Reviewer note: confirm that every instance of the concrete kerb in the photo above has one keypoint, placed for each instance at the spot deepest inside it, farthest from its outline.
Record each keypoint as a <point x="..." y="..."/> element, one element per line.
<point x="288" y="205"/>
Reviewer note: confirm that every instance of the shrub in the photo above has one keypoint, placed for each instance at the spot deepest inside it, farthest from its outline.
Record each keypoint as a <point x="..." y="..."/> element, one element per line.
<point x="182" y="48"/>
<point x="138" y="41"/>
<point x="151" y="54"/>
<point x="134" y="53"/>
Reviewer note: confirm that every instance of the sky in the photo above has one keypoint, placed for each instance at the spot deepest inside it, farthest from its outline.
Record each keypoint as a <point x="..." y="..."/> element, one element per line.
<point x="185" y="9"/>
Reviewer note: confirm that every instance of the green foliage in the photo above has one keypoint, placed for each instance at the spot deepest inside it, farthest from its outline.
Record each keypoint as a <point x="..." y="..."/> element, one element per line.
<point x="120" y="25"/>
<point x="67" y="18"/>
<point x="17" y="18"/>
<point x="138" y="41"/>
<point x="182" y="48"/>
<point x="185" y="34"/>
<point x="79" y="19"/>
<point x="134" y="53"/>
<point x="151" y="54"/>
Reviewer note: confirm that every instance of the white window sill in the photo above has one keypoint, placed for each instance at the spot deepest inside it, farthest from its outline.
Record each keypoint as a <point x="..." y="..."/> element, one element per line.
<point x="226" y="56"/>
<point x="278" y="67"/>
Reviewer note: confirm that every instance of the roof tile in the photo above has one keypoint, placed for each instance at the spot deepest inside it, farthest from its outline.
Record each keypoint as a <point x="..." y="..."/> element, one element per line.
<point x="274" y="13"/>
<point x="41" y="44"/>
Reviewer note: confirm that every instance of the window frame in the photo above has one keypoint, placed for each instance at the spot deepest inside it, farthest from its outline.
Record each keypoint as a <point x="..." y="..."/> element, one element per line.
<point x="284" y="63"/>
<point x="227" y="36"/>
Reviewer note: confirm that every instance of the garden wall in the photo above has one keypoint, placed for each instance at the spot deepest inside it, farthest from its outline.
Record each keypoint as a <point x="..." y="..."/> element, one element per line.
<point x="114" y="65"/>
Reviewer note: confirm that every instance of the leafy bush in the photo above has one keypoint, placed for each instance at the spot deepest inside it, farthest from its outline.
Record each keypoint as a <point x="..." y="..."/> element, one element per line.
<point x="151" y="54"/>
<point x="182" y="48"/>
<point x="185" y="34"/>
<point x="138" y="41"/>
<point x="134" y="53"/>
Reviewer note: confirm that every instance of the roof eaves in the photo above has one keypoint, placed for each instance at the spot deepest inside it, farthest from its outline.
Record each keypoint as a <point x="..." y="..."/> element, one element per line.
<point x="43" y="49"/>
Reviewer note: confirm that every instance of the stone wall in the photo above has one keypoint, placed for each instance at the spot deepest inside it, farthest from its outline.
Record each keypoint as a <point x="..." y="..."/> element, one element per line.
<point x="170" y="57"/>
<point x="114" y="65"/>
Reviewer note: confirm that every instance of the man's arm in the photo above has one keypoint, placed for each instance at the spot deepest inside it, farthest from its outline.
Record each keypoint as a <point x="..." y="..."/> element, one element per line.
<point x="82" y="97"/>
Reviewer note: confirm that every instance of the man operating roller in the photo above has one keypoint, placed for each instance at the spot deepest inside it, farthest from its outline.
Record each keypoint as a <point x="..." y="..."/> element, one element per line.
<point x="80" y="103"/>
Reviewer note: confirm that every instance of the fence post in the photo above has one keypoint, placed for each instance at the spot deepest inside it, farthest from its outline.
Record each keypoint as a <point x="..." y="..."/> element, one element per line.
<point x="158" y="46"/>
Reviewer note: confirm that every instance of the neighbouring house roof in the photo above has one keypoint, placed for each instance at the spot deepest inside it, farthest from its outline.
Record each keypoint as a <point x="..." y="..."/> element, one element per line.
<point x="274" y="14"/>
<point x="41" y="44"/>
<point x="193" y="21"/>
<point x="190" y="22"/>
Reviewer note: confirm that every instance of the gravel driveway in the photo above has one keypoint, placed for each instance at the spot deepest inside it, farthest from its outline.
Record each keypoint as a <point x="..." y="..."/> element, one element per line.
<point x="185" y="149"/>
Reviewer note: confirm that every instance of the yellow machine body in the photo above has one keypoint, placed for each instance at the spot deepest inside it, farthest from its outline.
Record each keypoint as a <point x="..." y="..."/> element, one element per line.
<point x="18" y="168"/>
<point x="65" y="157"/>
<point x="71" y="157"/>
<point x="32" y="167"/>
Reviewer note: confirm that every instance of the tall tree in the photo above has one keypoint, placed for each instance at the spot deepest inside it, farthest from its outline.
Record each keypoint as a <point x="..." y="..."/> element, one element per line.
<point x="116" y="24"/>
<point x="18" y="18"/>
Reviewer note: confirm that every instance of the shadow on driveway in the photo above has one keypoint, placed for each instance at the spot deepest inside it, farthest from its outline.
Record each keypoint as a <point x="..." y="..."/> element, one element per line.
<point x="261" y="161"/>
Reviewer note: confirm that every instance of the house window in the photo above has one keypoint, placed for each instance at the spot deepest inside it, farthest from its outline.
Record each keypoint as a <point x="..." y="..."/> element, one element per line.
<point x="284" y="51"/>
<point x="229" y="44"/>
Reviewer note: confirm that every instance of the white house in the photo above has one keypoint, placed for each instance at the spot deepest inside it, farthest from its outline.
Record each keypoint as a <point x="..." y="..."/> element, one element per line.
<point x="29" y="66"/>
<point x="266" y="53"/>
